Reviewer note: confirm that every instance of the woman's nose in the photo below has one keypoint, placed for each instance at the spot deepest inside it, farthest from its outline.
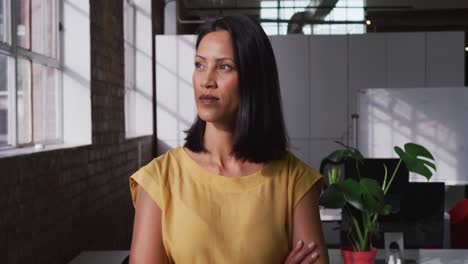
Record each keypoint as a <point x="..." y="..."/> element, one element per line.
<point x="209" y="80"/>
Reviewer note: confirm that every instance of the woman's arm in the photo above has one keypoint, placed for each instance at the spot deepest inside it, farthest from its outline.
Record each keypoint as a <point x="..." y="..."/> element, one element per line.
<point x="147" y="245"/>
<point x="306" y="223"/>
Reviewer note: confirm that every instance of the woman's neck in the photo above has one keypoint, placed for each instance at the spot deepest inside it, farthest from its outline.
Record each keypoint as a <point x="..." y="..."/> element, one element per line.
<point x="219" y="141"/>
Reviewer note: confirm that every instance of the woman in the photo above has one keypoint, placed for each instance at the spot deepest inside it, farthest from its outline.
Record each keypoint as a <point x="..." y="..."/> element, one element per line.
<point x="233" y="193"/>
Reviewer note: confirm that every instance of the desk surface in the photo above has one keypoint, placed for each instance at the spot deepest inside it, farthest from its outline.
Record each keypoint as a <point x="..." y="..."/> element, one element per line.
<point x="100" y="257"/>
<point x="421" y="256"/>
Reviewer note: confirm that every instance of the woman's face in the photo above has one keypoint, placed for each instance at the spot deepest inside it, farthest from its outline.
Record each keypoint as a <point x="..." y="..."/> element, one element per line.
<point x="215" y="79"/>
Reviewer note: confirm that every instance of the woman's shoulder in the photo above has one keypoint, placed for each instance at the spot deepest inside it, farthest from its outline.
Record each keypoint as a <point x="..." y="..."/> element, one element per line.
<point x="164" y="162"/>
<point x="153" y="176"/>
<point x="295" y="164"/>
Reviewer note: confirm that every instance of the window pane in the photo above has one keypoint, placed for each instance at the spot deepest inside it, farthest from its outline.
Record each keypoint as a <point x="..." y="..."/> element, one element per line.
<point x="129" y="65"/>
<point x="5" y="68"/>
<point x="45" y="103"/>
<point x="356" y="29"/>
<point x="338" y="14"/>
<point x="267" y="10"/>
<point x="338" y="29"/>
<point x="283" y="28"/>
<point x="321" y="29"/>
<point x="269" y="3"/>
<point x="24" y="101"/>
<point x="37" y="26"/>
<point x="37" y="23"/>
<point x="356" y="14"/>
<point x="53" y="105"/>
<point x="287" y="13"/>
<point x="3" y="22"/>
<point x="3" y="73"/>
<point x="130" y="126"/>
<point x="129" y="44"/>
<point x="270" y="28"/>
<point x="356" y="3"/>
<point x="51" y="23"/>
<point x="38" y="77"/>
<point x="307" y="29"/>
<point x="23" y="30"/>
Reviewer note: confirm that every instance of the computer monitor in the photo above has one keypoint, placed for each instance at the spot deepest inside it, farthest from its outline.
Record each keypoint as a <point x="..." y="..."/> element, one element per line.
<point x="422" y="214"/>
<point x="416" y="207"/>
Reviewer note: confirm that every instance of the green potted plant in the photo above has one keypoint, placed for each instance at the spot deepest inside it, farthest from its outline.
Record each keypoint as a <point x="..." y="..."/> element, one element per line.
<point x="367" y="196"/>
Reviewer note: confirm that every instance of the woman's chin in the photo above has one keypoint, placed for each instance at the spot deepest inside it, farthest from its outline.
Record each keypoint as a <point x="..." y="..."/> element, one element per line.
<point x="209" y="118"/>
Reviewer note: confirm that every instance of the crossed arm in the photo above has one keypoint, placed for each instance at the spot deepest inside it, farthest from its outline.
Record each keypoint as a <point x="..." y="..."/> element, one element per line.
<point x="307" y="230"/>
<point x="147" y="244"/>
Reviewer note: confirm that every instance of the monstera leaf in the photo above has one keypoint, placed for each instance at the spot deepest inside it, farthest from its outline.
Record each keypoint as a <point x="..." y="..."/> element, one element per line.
<point x="332" y="197"/>
<point x="373" y="196"/>
<point x="353" y="192"/>
<point x="365" y="195"/>
<point x="342" y="154"/>
<point x="339" y="155"/>
<point x="412" y="155"/>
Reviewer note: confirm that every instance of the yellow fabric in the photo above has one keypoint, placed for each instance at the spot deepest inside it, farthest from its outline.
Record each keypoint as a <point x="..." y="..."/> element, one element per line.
<point x="208" y="218"/>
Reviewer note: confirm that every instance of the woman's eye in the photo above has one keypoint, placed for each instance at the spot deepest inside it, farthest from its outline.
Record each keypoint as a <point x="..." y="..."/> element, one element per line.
<point x="198" y="65"/>
<point x="225" y="67"/>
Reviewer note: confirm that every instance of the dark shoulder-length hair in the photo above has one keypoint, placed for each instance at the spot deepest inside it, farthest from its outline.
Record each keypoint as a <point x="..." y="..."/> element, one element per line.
<point x="260" y="135"/>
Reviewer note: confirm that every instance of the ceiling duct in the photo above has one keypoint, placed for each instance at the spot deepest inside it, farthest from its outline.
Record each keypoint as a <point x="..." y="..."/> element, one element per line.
<point x="317" y="11"/>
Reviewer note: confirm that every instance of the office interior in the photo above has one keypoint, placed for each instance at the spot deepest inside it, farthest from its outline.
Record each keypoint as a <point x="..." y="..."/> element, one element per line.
<point x="90" y="91"/>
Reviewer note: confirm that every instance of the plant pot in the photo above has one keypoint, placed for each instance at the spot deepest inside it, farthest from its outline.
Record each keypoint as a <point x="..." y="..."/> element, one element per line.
<point x="358" y="257"/>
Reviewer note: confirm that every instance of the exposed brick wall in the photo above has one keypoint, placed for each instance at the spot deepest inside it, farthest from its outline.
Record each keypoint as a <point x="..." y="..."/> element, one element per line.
<point x="56" y="204"/>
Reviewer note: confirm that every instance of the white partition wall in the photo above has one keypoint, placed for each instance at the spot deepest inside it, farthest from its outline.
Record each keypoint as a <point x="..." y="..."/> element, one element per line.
<point x="328" y="69"/>
<point x="445" y="61"/>
<point x="319" y="77"/>
<point x="291" y="54"/>
<point x="367" y="64"/>
<point x="406" y="59"/>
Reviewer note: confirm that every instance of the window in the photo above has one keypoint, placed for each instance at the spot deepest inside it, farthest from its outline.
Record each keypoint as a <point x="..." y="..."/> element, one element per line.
<point x="138" y="68"/>
<point x="30" y="73"/>
<point x="347" y="17"/>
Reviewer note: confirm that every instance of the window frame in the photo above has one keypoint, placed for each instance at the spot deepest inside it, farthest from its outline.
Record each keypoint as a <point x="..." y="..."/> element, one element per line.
<point x="11" y="49"/>
<point x="130" y="81"/>
<point x="138" y="87"/>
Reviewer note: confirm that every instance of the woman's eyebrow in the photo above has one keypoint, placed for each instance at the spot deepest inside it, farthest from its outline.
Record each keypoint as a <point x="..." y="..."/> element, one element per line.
<point x="218" y="59"/>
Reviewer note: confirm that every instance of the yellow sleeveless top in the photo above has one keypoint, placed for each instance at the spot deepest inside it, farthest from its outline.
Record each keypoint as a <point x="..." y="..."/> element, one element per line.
<point x="208" y="218"/>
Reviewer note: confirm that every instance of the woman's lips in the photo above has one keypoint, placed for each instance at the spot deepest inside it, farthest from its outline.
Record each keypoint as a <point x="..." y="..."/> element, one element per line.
<point x="208" y="99"/>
